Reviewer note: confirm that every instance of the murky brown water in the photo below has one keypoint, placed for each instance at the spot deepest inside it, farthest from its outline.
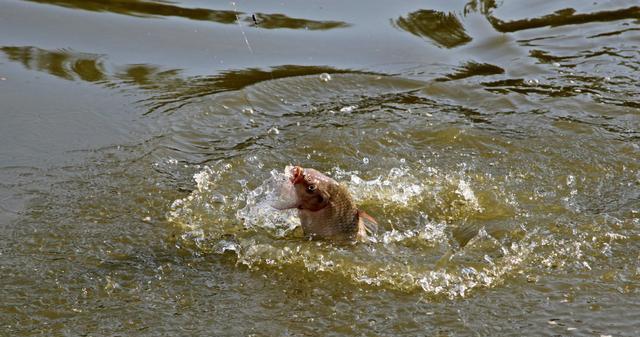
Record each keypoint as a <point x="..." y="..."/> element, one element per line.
<point x="497" y="143"/>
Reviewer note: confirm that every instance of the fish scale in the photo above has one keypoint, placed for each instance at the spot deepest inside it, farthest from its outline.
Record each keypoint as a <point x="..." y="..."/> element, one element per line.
<point x="326" y="209"/>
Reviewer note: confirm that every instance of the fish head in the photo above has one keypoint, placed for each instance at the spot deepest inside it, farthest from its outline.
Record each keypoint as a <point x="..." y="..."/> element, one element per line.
<point x="312" y="188"/>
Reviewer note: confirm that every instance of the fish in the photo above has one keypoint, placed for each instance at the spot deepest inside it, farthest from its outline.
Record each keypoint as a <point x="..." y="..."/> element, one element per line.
<point x="325" y="207"/>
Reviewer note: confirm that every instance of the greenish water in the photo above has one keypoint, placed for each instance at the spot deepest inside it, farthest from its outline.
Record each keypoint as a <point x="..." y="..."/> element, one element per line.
<point x="496" y="143"/>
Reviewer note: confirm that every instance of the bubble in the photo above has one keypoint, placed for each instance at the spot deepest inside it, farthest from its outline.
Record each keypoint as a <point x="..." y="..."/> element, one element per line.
<point x="571" y="180"/>
<point x="324" y="77"/>
<point x="533" y="82"/>
<point x="365" y="160"/>
<point x="248" y="111"/>
<point x="274" y="130"/>
<point x="556" y="64"/>
<point x="348" y="109"/>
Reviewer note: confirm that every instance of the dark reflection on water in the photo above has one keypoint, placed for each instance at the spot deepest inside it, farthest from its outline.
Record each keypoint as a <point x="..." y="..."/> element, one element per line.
<point x="470" y="69"/>
<point x="61" y="63"/>
<point x="564" y="17"/>
<point x="445" y="29"/>
<point x="73" y="65"/>
<point x="146" y="76"/>
<point x="545" y="57"/>
<point x="178" y="93"/>
<point x="172" y="90"/>
<point x="143" y="8"/>
<point x="273" y="21"/>
<point x="482" y="6"/>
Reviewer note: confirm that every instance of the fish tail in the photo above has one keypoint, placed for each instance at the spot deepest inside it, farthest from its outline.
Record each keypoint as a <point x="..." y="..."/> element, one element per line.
<point x="368" y="222"/>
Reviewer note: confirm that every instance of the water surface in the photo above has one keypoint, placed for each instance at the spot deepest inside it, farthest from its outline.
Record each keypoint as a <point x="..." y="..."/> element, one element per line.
<point x="497" y="144"/>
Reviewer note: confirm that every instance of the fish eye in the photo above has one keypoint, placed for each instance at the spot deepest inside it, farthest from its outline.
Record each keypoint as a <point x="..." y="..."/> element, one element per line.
<point x="311" y="188"/>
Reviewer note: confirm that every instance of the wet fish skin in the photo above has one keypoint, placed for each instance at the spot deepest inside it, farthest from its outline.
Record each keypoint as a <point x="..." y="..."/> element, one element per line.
<point x="326" y="209"/>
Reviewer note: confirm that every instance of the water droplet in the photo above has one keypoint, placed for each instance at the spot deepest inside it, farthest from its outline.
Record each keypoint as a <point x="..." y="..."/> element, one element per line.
<point x="324" y="77"/>
<point x="571" y="180"/>
<point x="274" y="130"/>
<point x="348" y="109"/>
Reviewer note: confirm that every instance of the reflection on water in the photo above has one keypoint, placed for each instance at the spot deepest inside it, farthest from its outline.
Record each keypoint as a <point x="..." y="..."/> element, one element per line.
<point x="61" y="63"/>
<point x="173" y="90"/>
<point x="145" y="8"/>
<point x="564" y="17"/>
<point x="273" y="21"/>
<point x="73" y="65"/>
<point x="179" y="93"/>
<point x="445" y="29"/>
<point x="145" y="76"/>
<point x="474" y="69"/>
<point x="560" y="17"/>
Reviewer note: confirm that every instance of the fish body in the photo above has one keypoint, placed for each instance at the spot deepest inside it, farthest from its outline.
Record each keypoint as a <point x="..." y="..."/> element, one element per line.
<point x="326" y="209"/>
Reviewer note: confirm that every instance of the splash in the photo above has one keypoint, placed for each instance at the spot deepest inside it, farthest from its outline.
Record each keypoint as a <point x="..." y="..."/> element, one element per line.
<point x="415" y="250"/>
<point x="268" y="206"/>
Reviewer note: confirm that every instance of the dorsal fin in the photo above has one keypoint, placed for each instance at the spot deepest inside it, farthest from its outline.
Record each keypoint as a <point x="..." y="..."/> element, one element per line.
<point x="370" y="224"/>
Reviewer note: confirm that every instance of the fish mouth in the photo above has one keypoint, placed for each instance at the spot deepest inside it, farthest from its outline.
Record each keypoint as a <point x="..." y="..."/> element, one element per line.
<point x="297" y="175"/>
